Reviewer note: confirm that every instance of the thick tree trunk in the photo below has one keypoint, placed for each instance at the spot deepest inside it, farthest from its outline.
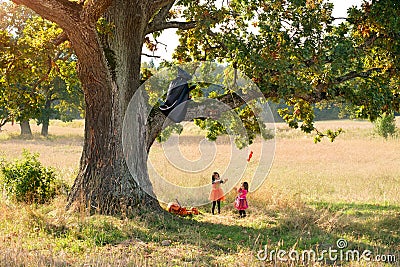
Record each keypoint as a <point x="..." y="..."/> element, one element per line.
<point x="105" y="183"/>
<point x="46" y="118"/>
<point x="25" y="128"/>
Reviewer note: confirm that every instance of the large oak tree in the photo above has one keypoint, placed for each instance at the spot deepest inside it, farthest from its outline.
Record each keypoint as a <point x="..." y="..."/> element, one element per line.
<point x="109" y="70"/>
<point x="291" y="49"/>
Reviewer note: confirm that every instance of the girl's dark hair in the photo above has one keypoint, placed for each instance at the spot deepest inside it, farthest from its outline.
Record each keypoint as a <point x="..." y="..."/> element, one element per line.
<point x="213" y="176"/>
<point x="246" y="186"/>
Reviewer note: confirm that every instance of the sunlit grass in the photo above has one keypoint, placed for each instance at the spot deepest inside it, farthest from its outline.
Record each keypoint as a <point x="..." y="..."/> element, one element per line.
<point x="313" y="195"/>
<point x="357" y="167"/>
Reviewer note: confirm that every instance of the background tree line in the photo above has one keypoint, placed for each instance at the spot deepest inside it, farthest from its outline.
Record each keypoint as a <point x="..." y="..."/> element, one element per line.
<point x="38" y="74"/>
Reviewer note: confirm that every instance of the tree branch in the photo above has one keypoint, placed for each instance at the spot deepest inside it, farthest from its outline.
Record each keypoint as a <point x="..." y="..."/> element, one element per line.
<point x="162" y="13"/>
<point x="62" y="12"/>
<point x="161" y="3"/>
<point x="148" y="55"/>
<point x="157" y="120"/>
<point x="320" y="94"/>
<point x="61" y="38"/>
<point x="45" y="76"/>
<point x="222" y="44"/>
<point x="182" y="25"/>
<point x="93" y="9"/>
<point x="354" y="74"/>
<point x="159" y="21"/>
<point x="67" y="13"/>
<point x="368" y="42"/>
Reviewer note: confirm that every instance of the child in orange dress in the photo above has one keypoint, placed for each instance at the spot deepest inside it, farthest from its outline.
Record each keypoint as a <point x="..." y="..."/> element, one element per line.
<point x="216" y="194"/>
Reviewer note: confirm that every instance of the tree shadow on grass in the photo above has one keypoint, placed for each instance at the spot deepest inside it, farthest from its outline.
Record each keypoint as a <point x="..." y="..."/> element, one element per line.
<point x="378" y="225"/>
<point x="310" y="226"/>
<point x="151" y="237"/>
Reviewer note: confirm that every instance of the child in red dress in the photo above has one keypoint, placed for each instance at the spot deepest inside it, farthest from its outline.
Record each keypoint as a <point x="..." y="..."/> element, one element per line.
<point x="216" y="194"/>
<point x="241" y="200"/>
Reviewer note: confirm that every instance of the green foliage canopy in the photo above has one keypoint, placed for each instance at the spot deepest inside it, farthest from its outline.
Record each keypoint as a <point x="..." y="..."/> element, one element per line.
<point x="294" y="50"/>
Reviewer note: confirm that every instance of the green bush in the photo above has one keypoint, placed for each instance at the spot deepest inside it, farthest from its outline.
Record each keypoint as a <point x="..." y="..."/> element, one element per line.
<point x="27" y="180"/>
<point x="386" y="125"/>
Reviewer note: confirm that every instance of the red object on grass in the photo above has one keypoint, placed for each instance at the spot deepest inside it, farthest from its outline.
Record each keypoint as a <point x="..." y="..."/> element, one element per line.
<point x="250" y="155"/>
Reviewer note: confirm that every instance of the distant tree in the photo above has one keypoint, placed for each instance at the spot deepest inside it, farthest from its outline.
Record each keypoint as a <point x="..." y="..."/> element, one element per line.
<point x="63" y="95"/>
<point x="17" y="101"/>
<point x="62" y="101"/>
<point x="36" y="69"/>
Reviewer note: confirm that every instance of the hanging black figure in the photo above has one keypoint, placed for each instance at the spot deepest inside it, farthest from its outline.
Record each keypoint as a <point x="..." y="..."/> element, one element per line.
<point x="175" y="105"/>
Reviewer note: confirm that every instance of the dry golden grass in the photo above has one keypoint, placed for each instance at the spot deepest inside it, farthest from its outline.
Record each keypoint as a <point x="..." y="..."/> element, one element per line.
<point x="313" y="195"/>
<point x="357" y="167"/>
<point x="61" y="149"/>
<point x="345" y="170"/>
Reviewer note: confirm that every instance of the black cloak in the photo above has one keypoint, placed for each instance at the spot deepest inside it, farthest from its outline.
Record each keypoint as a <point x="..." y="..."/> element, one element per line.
<point x="175" y="105"/>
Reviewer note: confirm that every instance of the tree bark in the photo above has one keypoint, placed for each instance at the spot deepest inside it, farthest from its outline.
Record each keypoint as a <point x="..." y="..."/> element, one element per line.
<point x="25" y="128"/>
<point x="3" y="122"/>
<point x="45" y="128"/>
<point x="46" y="118"/>
<point x="105" y="183"/>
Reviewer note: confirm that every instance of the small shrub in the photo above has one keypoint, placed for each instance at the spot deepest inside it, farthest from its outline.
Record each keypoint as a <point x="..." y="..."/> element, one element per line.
<point x="386" y="125"/>
<point x="27" y="180"/>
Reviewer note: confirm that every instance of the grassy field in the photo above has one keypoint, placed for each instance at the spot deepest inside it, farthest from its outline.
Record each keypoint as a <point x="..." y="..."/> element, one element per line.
<point x="314" y="195"/>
